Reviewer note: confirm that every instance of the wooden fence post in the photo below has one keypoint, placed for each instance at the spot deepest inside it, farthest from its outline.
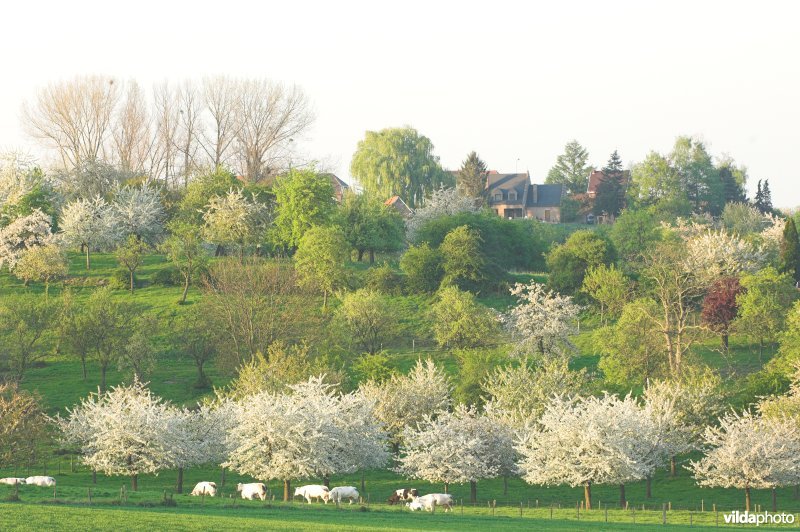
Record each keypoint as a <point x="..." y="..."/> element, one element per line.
<point x="664" y="514"/>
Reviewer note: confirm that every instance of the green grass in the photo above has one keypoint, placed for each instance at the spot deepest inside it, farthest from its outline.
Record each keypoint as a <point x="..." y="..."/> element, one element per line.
<point x="58" y="380"/>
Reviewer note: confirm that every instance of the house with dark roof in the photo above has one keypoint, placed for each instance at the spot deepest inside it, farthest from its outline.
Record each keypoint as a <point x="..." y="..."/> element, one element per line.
<point x="514" y="196"/>
<point x="339" y="186"/>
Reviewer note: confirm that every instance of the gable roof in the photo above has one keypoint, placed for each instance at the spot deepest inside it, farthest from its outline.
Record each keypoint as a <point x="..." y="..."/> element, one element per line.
<point x="546" y="196"/>
<point x="398" y="203"/>
<point x="597" y="176"/>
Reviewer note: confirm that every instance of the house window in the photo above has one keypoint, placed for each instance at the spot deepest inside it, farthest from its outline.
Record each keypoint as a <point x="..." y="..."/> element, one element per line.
<point x="498" y="196"/>
<point x="512" y="196"/>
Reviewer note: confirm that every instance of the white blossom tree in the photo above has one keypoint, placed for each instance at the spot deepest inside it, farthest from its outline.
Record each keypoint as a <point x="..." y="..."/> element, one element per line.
<point x="713" y="254"/>
<point x="457" y="447"/>
<point x="17" y="176"/>
<point x="24" y="233"/>
<point x="302" y="434"/>
<point x="197" y="437"/>
<point x="748" y="451"/>
<point x="444" y="201"/>
<point x="124" y="431"/>
<point x="543" y="321"/>
<point x="138" y="211"/>
<point x="586" y="441"/>
<point x="88" y="223"/>
<point x="402" y="399"/>
<point x="518" y="394"/>
<point x="235" y="220"/>
<point x="772" y="237"/>
<point x="684" y="408"/>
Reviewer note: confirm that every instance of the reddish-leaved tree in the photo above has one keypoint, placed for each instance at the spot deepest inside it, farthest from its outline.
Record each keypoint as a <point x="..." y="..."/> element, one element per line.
<point x="719" y="306"/>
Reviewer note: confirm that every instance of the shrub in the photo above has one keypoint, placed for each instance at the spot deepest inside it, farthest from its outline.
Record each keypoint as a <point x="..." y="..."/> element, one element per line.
<point x="385" y="280"/>
<point x="422" y="266"/>
<point x="121" y="280"/>
<point x="167" y="276"/>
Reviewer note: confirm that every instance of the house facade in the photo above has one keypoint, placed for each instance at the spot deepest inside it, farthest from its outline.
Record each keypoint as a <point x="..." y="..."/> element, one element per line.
<point x="514" y="196"/>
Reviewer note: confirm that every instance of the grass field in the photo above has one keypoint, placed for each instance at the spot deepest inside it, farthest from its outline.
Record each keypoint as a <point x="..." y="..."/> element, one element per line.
<point x="58" y="380"/>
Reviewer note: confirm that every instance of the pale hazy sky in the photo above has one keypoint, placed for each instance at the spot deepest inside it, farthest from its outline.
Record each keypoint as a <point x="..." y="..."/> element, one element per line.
<point x="512" y="80"/>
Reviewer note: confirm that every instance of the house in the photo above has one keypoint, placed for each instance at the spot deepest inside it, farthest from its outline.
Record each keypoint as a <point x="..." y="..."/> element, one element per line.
<point x="399" y="205"/>
<point x="339" y="186"/>
<point x="514" y="196"/>
<point x="597" y="176"/>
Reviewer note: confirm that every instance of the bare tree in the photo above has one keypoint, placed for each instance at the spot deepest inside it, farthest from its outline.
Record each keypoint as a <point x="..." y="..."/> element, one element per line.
<point x="132" y="139"/>
<point x="270" y="114"/>
<point x="165" y="108"/>
<point x="221" y="96"/>
<point x="74" y="117"/>
<point x="190" y="107"/>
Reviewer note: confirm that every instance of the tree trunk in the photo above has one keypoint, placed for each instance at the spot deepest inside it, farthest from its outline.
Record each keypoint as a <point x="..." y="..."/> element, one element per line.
<point x="87" y="257"/>
<point x="725" y="343"/>
<point x="185" y="289"/>
<point x="622" y="496"/>
<point x="94" y="476"/>
<point x="747" y="499"/>
<point x="326" y="481"/>
<point x="131" y="281"/>
<point x="179" y="486"/>
<point x="774" y="501"/>
<point x="103" y="369"/>
<point x="363" y="489"/>
<point x="587" y="495"/>
<point x="83" y="366"/>
<point x="672" y="470"/>
<point x="222" y="480"/>
<point x="324" y="299"/>
<point x="360" y="255"/>
<point x="505" y="485"/>
<point x="473" y="491"/>
<point x="287" y="486"/>
<point x="649" y="494"/>
<point x="760" y="350"/>
<point x="135" y="483"/>
<point x="372" y="256"/>
<point x="446" y="486"/>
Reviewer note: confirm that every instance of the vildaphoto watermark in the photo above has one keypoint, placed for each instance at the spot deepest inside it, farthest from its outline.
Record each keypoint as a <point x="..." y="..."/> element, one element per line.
<point x="759" y="518"/>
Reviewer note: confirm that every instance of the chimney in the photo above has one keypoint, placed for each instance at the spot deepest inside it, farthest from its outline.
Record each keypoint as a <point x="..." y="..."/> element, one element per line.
<point x="535" y="193"/>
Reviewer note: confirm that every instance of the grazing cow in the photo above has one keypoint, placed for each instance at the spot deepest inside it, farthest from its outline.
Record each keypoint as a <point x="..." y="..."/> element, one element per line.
<point x="254" y="490"/>
<point x="403" y="494"/>
<point x="42" y="482"/>
<point x="312" y="491"/>
<point x="205" y="488"/>
<point x="339" y="493"/>
<point x="12" y="481"/>
<point x="427" y="501"/>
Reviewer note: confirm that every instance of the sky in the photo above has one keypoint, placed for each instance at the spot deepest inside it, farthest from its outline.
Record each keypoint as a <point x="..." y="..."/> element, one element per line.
<point x="514" y="81"/>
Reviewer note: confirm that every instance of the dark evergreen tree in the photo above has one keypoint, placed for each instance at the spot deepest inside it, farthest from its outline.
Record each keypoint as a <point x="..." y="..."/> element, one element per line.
<point x="766" y="198"/>
<point x="614" y="165"/>
<point x="610" y="194"/>
<point x="733" y="188"/>
<point x="471" y="178"/>
<point x="790" y="251"/>
<point x="758" y="201"/>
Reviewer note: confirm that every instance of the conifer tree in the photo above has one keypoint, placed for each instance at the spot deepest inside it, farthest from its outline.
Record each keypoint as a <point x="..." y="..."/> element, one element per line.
<point x="790" y="251"/>
<point x="471" y="178"/>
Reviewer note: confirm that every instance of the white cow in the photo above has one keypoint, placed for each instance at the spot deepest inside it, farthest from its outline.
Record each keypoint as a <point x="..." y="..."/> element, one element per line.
<point x="253" y="490"/>
<point x="312" y="491"/>
<point x="12" y="481"/>
<point x="42" y="482"/>
<point x="339" y="493"/>
<point x="205" y="488"/>
<point x="427" y="501"/>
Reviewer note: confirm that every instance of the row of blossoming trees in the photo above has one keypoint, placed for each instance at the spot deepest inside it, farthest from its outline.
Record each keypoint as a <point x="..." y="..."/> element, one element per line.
<point x="312" y="430"/>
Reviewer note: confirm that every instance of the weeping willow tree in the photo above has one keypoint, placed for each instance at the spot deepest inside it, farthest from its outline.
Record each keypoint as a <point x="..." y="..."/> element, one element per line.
<point x="398" y="161"/>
